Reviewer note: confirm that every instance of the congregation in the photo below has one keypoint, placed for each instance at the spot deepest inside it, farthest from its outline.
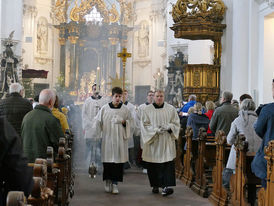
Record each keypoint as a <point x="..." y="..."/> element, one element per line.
<point x="111" y="127"/>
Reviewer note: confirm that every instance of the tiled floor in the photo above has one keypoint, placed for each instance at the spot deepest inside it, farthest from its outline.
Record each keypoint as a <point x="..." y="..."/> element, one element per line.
<point x="134" y="191"/>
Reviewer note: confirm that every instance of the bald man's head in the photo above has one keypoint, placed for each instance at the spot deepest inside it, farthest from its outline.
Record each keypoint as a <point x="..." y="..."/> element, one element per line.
<point x="47" y="98"/>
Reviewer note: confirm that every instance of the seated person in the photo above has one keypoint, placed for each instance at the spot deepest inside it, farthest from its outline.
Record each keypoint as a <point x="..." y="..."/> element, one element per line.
<point x="197" y="120"/>
<point x="59" y="115"/>
<point x="15" y="175"/>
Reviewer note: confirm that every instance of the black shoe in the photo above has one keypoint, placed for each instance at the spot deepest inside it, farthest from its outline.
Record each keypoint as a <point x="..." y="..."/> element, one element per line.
<point x="167" y="191"/>
<point x="155" y="190"/>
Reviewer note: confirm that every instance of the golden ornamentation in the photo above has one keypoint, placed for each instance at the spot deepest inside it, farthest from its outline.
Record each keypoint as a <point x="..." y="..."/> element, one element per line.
<point x="113" y="14"/>
<point x="207" y="9"/>
<point x="116" y="82"/>
<point x="202" y="80"/>
<point x="60" y="10"/>
<point x="198" y="19"/>
<point x="62" y="41"/>
<point x="73" y="39"/>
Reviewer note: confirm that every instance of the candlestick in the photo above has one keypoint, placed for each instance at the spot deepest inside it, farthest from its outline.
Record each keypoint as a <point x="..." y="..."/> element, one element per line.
<point x="98" y="80"/>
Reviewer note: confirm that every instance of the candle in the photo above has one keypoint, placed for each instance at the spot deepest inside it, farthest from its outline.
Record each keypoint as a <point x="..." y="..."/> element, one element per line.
<point x="98" y="80"/>
<point x="158" y="80"/>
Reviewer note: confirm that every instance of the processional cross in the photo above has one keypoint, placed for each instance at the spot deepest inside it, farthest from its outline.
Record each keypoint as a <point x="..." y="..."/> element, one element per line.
<point x="124" y="55"/>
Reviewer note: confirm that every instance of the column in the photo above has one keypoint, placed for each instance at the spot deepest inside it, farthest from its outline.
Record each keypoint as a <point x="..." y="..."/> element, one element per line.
<point x="62" y="41"/>
<point x="240" y="48"/>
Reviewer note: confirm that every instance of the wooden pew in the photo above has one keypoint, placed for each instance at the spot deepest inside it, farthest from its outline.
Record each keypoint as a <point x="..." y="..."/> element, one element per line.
<point x="266" y="196"/>
<point x="244" y="181"/>
<point x="179" y="155"/>
<point x="63" y="164"/>
<point x="41" y="195"/>
<point x="188" y="175"/>
<point x="204" y="165"/>
<point x="16" y="198"/>
<point x="219" y="195"/>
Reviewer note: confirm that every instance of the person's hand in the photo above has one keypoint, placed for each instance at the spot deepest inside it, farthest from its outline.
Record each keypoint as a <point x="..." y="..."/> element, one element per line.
<point x="158" y="130"/>
<point x="117" y="119"/>
<point x="165" y="127"/>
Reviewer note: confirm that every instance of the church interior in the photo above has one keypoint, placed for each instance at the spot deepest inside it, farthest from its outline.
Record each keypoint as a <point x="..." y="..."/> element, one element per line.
<point x="186" y="50"/>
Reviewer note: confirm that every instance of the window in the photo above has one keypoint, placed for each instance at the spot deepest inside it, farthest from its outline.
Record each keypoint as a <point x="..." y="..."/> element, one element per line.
<point x="94" y="15"/>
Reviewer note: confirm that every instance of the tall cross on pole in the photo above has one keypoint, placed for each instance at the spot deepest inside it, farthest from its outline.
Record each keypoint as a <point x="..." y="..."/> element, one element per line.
<point x="124" y="55"/>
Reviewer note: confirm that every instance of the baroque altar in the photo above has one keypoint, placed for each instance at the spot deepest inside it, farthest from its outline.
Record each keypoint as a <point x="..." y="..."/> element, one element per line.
<point x="86" y="44"/>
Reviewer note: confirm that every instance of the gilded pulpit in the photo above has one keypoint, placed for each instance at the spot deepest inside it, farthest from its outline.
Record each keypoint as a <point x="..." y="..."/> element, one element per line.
<point x="201" y="20"/>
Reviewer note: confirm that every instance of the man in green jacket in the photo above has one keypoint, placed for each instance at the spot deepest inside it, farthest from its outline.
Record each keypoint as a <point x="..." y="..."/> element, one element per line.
<point x="40" y="128"/>
<point x="224" y="115"/>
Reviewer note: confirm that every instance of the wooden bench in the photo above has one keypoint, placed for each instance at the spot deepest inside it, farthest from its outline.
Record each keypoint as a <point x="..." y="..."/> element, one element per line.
<point x="204" y="165"/>
<point x="179" y="155"/>
<point x="219" y="195"/>
<point x="41" y="195"/>
<point x="266" y="196"/>
<point x="188" y="175"/>
<point x="243" y="183"/>
<point x="16" y="198"/>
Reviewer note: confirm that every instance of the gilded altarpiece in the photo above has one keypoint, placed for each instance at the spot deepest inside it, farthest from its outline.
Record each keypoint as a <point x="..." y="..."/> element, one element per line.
<point x="201" y="20"/>
<point x="91" y="44"/>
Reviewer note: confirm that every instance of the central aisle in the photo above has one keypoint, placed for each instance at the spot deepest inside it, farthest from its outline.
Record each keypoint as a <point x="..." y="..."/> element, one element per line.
<point x="134" y="191"/>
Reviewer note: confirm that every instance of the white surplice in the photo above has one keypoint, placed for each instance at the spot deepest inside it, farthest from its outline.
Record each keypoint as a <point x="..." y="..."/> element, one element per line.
<point x="90" y="109"/>
<point x="108" y="126"/>
<point x="159" y="147"/>
<point x="138" y="122"/>
<point x="132" y="110"/>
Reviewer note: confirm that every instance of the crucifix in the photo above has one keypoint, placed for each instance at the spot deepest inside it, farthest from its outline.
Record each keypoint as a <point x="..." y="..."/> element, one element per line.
<point x="124" y="55"/>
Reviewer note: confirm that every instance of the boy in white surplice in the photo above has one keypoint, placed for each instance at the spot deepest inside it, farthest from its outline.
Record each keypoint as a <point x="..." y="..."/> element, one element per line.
<point x="90" y="109"/>
<point x="113" y="123"/>
<point x="160" y="127"/>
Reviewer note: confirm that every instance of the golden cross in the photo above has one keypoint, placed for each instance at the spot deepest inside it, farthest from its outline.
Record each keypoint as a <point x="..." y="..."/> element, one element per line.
<point x="124" y="55"/>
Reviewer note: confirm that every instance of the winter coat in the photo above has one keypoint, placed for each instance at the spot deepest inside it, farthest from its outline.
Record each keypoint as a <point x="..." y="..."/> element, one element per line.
<point x="196" y="121"/>
<point x="62" y="118"/>
<point x="14" y="108"/>
<point x="186" y="107"/>
<point x="40" y="129"/>
<point x="243" y="124"/>
<point x="264" y="127"/>
<point x="14" y="170"/>
<point x="209" y="115"/>
<point x="223" y="117"/>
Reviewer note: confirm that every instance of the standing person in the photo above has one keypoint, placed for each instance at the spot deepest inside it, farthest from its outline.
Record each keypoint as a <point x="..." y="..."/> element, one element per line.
<point x="131" y="155"/>
<point x="224" y="114"/>
<point x="113" y="124"/>
<point x="160" y="127"/>
<point x="90" y="109"/>
<point x="150" y="97"/>
<point x="15" y="107"/>
<point x="264" y="127"/>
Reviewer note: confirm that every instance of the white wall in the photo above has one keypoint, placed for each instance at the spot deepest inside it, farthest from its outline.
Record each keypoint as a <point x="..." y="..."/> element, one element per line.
<point x="11" y="20"/>
<point x="199" y="52"/>
<point x="268" y="73"/>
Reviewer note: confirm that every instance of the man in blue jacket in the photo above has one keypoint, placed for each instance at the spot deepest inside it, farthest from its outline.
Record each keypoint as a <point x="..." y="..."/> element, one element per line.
<point x="264" y="127"/>
<point x="190" y="103"/>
